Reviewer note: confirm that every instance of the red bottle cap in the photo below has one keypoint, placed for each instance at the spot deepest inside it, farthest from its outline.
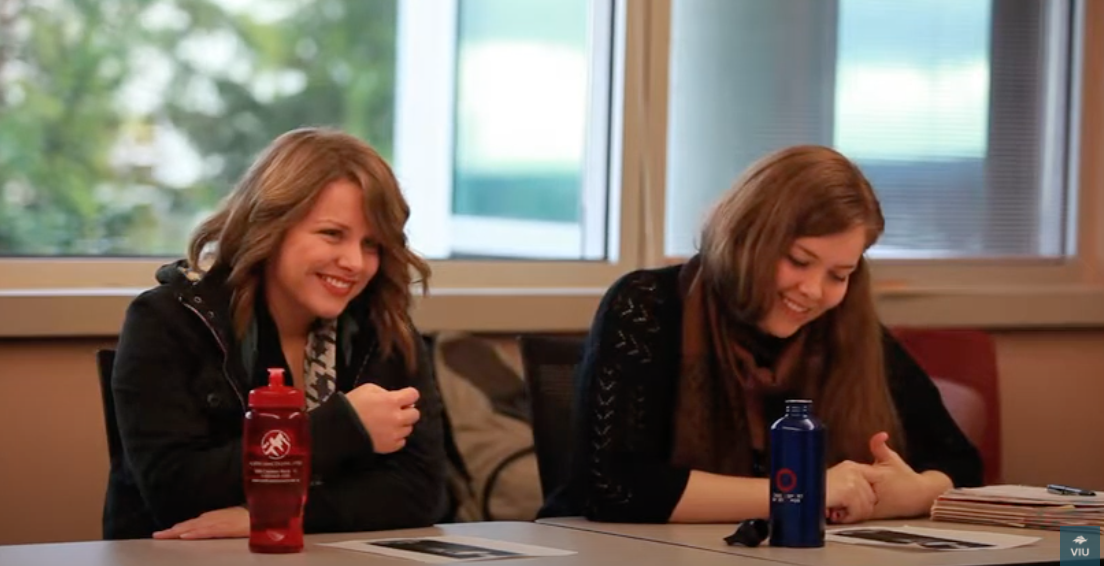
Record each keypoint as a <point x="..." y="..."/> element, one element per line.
<point x="276" y="394"/>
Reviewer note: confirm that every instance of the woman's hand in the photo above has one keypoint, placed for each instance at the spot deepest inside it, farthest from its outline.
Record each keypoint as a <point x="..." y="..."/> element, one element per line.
<point x="901" y="492"/>
<point x="851" y="498"/>
<point x="232" y="522"/>
<point x="388" y="416"/>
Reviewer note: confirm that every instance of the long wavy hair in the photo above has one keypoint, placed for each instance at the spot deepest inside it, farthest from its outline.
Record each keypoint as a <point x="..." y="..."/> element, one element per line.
<point x="277" y="191"/>
<point x="797" y="192"/>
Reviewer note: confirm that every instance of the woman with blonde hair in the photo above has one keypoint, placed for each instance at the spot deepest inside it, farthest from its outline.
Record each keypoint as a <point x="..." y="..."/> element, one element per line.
<point x="305" y="267"/>
<point x="686" y="367"/>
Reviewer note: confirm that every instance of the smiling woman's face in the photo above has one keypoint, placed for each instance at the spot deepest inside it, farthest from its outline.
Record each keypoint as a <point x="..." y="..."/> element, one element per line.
<point x="325" y="260"/>
<point x="811" y="279"/>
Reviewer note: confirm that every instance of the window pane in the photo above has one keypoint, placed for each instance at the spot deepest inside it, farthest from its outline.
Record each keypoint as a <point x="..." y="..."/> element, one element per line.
<point x="949" y="106"/>
<point x="122" y="122"/>
<point x="521" y="129"/>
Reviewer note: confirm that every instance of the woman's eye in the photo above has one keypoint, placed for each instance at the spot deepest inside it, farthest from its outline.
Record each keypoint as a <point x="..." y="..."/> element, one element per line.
<point x="798" y="262"/>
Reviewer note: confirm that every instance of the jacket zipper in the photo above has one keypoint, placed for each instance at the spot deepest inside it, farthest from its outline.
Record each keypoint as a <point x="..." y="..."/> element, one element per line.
<point x="225" y="353"/>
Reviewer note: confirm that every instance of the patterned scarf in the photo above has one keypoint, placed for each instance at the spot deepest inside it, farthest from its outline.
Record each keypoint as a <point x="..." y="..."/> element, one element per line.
<point x="319" y="359"/>
<point x="719" y="420"/>
<point x="320" y="363"/>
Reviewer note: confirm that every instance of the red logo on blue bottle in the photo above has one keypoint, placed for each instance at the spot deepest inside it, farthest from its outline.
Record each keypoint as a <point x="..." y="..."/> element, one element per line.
<point x="785" y="480"/>
<point x="275" y="444"/>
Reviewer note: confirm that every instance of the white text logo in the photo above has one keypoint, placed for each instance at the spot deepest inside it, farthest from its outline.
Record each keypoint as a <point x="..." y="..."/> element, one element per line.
<point x="275" y="444"/>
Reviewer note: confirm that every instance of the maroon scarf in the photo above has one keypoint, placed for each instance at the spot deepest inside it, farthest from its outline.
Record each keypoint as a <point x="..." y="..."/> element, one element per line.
<point x="719" y="419"/>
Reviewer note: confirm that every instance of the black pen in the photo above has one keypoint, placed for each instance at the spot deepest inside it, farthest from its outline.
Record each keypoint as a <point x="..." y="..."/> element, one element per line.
<point x="1067" y="490"/>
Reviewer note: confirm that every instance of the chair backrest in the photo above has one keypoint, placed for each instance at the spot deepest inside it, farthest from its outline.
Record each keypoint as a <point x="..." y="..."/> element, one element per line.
<point x="967" y="358"/>
<point x="105" y="360"/>
<point x="549" y="364"/>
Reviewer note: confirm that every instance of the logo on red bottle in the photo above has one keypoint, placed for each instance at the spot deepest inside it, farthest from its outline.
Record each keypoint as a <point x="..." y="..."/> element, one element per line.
<point x="785" y="480"/>
<point x="275" y="444"/>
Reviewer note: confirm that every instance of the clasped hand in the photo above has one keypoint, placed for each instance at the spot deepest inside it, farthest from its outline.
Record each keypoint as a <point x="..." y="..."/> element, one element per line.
<point x="887" y="488"/>
<point x="388" y="416"/>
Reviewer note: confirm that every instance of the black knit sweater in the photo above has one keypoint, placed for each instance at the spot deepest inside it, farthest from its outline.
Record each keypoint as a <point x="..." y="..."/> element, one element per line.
<point x="625" y="394"/>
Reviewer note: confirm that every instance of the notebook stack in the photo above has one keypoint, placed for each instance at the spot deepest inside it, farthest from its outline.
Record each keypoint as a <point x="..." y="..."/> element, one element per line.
<point x="1019" y="506"/>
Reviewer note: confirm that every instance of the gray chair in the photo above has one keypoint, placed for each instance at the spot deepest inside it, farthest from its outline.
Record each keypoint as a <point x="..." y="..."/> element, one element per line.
<point x="549" y="363"/>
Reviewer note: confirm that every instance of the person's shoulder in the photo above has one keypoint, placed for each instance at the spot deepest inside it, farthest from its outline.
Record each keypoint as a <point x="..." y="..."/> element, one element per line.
<point x="391" y="358"/>
<point x="175" y="285"/>
<point x="893" y="352"/>
<point x="165" y="291"/>
<point x="642" y="297"/>
<point x="657" y="284"/>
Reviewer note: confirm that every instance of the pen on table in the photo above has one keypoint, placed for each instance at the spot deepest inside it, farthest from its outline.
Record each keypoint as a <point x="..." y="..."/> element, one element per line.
<point x="1067" y="490"/>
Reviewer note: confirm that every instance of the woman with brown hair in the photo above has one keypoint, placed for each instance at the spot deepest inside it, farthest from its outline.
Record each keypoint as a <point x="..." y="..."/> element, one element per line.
<point x="305" y="267"/>
<point x="686" y="367"/>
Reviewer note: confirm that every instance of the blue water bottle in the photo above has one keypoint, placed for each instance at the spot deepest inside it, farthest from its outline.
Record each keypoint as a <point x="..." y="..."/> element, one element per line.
<point x="798" y="478"/>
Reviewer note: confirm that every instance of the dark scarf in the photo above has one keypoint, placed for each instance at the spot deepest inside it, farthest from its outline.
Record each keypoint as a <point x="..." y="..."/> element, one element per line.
<point x="719" y="421"/>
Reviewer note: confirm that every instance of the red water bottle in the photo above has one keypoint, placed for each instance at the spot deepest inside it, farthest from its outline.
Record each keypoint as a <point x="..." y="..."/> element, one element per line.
<point x="277" y="465"/>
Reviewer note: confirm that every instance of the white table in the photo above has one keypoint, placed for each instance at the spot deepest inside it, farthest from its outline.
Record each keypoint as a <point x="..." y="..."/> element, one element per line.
<point x="711" y="538"/>
<point x="593" y="549"/>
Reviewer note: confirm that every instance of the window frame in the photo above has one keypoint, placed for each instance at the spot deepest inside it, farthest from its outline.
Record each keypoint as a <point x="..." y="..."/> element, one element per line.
<point x="87" y="296"/>
<point x="968" y="292"/>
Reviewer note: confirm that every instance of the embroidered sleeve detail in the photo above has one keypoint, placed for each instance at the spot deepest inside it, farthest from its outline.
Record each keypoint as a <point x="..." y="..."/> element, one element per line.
<point x="621" y="360"/>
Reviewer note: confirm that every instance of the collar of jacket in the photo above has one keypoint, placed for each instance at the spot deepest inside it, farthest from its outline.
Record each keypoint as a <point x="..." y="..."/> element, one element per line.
<point x="209" y="297"/>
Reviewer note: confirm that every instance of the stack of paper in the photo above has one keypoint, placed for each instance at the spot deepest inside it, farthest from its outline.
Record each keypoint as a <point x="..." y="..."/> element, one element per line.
<point x="1019" y="506"/>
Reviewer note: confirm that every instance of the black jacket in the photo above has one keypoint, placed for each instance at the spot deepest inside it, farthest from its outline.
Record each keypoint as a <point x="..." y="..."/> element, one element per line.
<point x="625" y="388"/>
<point x="181" y="390"/>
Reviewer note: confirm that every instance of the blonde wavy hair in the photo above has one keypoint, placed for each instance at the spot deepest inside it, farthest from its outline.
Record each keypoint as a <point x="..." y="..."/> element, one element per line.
<point x="797" y="192"/>
<point x="277" y="191"/>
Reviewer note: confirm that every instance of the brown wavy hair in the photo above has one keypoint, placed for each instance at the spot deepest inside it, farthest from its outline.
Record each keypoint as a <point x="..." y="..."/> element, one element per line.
<point x="278" y="190"/>
<point x="797" y="192"/>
